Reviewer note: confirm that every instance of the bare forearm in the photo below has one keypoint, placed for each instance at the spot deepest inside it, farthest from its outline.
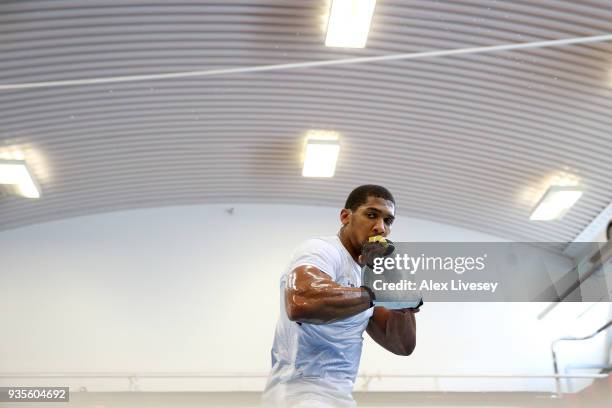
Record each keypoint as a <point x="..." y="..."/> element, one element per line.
<point x="326" y="303"/>
<point x="399" y="333"/>
<point x="311" y="296"/>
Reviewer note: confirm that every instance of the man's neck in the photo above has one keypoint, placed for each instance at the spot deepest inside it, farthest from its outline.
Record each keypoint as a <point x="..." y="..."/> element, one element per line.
<point x="347" y="244"/>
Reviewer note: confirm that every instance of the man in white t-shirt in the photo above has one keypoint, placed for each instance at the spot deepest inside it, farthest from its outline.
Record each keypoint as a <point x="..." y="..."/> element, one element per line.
<point x="324" y="311"/>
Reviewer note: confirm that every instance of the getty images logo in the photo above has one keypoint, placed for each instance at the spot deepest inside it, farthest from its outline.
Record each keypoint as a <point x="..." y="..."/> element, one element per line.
<point x="459" y="264"/>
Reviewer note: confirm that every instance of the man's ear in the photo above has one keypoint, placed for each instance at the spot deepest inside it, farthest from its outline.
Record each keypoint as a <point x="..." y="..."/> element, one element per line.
<point x="345" y="216"/>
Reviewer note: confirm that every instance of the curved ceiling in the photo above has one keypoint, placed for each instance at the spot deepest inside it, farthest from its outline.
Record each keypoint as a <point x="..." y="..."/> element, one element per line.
<point x="470" y="140"/>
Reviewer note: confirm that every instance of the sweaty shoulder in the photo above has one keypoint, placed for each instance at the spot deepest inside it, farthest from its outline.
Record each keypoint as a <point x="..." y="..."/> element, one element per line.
<point x="322" y="253"/>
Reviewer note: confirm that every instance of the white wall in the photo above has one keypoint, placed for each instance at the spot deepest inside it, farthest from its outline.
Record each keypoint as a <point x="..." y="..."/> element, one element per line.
<point x="196" y="289"/>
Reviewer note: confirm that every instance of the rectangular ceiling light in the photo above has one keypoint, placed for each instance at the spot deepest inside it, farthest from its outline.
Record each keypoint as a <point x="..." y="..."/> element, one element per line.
<point x="322" y="149"/>
<point x="16" y="174"/>
<point x="349" y="23"/>
<point x="555" y="203"/>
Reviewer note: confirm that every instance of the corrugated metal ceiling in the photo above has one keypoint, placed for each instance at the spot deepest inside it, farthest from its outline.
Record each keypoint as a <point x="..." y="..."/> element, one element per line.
<point x="468" y="140"/>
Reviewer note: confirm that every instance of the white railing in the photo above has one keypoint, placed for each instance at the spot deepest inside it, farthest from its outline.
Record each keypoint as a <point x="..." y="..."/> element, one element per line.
<point x="133" y="377"/>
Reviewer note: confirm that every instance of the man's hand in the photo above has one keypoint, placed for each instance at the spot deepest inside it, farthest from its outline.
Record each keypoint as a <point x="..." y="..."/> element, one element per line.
<point x="371" y="251"/>
<point x="396" y="300"/>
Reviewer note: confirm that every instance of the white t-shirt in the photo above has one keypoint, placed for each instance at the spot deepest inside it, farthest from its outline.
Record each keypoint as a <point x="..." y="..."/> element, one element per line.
<point x="316" y="364"/>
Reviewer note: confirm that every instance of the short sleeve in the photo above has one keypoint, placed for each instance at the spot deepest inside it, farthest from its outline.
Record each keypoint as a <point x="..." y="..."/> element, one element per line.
<point x="318" y="253"/>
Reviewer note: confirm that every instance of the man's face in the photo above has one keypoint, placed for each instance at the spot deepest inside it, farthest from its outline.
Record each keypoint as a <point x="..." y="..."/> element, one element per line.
<point x="372" y="218"/>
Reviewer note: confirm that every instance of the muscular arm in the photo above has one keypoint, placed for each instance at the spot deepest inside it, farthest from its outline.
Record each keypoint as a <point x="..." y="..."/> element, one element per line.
<point x="311" y="296"/>
<point x="395" y="330"/>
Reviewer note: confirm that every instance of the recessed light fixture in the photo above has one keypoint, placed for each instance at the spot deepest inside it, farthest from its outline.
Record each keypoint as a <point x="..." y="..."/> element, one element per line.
<point x="555" y="203"/>
<point x="15" y="173"/>
<point x="321" y="155"/>
<point x="349" y="23"/>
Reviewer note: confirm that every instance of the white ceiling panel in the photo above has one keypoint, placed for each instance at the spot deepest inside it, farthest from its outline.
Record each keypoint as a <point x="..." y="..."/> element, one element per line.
<point x="470" y="140"/>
